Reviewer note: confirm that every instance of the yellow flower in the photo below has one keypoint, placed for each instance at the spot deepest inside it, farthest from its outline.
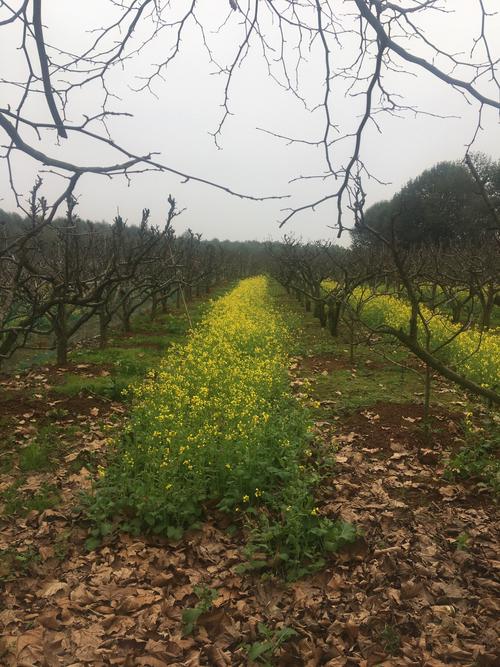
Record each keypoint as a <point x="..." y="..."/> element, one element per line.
<point x="212" y="398"/>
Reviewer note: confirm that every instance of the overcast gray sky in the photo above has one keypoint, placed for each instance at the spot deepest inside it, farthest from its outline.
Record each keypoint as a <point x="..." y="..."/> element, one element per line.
<point x="178" y="121"/>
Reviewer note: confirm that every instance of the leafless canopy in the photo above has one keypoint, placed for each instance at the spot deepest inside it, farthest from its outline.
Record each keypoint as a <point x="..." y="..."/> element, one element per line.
<point x="363" y="47"/>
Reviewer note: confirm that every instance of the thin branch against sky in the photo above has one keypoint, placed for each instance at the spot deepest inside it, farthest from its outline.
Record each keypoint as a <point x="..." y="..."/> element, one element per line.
<point x="156" y="96"/>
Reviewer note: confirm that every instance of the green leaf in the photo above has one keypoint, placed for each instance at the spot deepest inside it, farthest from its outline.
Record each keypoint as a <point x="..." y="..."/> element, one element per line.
<point x="257" y="564"/>
<point x="106" y="528"/>
<point x="92" y="543"/>
<point x="190" y="617"/>
<point x="174" y="533"/>
<point x="258" y="649"/>
<point x="348" y="532"/>
<point x="285" y="634"/>
<point x="264" y="630"/>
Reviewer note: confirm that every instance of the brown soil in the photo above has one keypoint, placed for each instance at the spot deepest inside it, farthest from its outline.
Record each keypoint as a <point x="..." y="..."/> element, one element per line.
<point x="27" y="398"/>
<point x="151" y="346"/>
<point x="393" y="432"/>
<point x="53" y="409"/>
<point x="118" y="338"/>
<point x="323" y="362"/>
<point x="329" y="362"/>
<point x="384" y="424"/>
<point x="56" y="374"/>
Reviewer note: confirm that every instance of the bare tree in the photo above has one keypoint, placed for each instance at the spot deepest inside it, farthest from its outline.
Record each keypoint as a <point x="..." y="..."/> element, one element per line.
<point x="362" y="46"/>
<point x="57" y="279"/>
<point x="412" y="269"/>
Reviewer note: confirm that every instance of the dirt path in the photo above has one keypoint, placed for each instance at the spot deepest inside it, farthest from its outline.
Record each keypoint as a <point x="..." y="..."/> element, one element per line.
<point x="425" y="586"/>
<point x="418" y="588"/>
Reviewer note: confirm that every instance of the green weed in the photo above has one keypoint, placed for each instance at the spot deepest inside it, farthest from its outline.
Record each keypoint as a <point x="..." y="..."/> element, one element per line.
<point x="262" y="652"/>
<point x="40" y="454"/>
<point x="462" y="542"/>
<point x="391" y="639"/>
<point x="478" y="460"/>
<point x="191" y="615"/>
<point x="85" y="459"/>
<point x="15" y="563"/>
<point x="295" y="542"/>
<point x="18" y="503"/>
<point x="62" y="544"/>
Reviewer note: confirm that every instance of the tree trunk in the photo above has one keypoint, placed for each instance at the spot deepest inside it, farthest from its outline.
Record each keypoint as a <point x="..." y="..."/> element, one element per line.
<point x="61" y="333"/>
<point x="440" y="367"/>
<point x="433" y="297"/>
<point x="334" y="311"/>
<point x="104" y="320"/>
<point x="351" y="340"/>
<point x="154" y="306"/>
<point x="320" y="312"/>
<point x="7" y="344"/>
<point x="62" y="350"/>
<point x="456" y="310"/>
<point x="126" y="324"/>
<point x="488" y="304"/>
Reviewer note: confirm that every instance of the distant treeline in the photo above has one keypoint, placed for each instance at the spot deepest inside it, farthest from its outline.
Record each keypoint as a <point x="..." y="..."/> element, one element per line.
<point x="444" y="204"/>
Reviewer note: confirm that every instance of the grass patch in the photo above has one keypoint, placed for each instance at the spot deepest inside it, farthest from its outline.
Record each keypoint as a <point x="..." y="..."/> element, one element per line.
<point x="6" y="463"/>
<point x="132" y="355"/>
<point x="125" y="360"/>
<point x="355" y="390"/>
<point x="391" y="639"/>
<point x="17" y="503"/>
<point x="128" y="365"/>
<point x="478" y="460"/>
<point x="15" y="563"/>
<point x="7" y="454"/>
<point x="382" y="370"/>
<point x="107" y="387"/>
<point x="41" y="454"/>
<point x="34" y="457"/>
<point x="161" y="340"/>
